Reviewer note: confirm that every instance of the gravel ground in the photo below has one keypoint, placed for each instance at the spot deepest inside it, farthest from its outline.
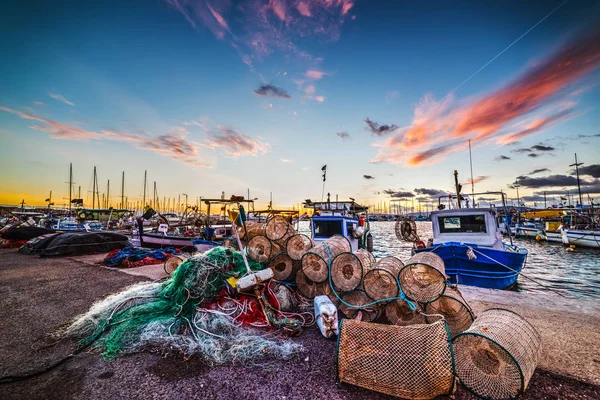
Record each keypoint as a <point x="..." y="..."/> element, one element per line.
<point x="37" y="296"/>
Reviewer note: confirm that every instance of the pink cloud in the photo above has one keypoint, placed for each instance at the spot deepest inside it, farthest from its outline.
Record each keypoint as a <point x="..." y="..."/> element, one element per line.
<point x="320" y="99"/>
<point x="235" y="144"/>
<point x="278" y="7"/>
<point x="310" y="90"/>
<point x="60" y="98"/>
<point x="314" y="74"/>
<point x="488" y="115"/>
<point x="218" y="17"/>
<point x="303" y="8"/>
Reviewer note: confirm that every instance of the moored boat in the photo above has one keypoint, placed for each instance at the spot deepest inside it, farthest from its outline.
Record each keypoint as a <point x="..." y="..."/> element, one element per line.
<point x="581" y="237"/>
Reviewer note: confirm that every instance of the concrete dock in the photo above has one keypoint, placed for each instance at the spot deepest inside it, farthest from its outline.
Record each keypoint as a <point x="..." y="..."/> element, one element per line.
<point x="38" y="296"/>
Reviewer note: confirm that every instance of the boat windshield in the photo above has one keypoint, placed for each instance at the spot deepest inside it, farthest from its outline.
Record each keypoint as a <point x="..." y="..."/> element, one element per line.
<point x="327" y="227"/>
<point x="463" y="224"/>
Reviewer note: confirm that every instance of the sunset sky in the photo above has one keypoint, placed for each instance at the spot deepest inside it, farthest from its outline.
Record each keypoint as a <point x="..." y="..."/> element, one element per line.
<point x="217" y="95"/>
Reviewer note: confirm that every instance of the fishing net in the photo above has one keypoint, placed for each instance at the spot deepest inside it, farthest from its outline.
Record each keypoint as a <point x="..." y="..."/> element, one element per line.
<point x="359" y="298"/>
<point x="260" y="249"/>
<point x="252" y="229"/>
<point x="19" y="233"/>
<point x="398" y="312"/>
<point x="497" y="355"/>
<point x="455" y="310"/>
<point x="423" y="278"/>
<point x="283" y="267"/>
<point x="412" y="362"/>
<point x="37" y="244"/>
<point x="380" y="282"/>
<point x="169" y="316"/>
<point x="315" y="262"/>
<point x="278" y="228"/>
<point x="130" y="256"/>
<point x="406" y="230"/>
<point x="297" y="245"/>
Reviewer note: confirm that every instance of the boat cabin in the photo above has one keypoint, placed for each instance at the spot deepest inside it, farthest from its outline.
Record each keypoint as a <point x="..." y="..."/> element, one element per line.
<point x="477" y="226"/>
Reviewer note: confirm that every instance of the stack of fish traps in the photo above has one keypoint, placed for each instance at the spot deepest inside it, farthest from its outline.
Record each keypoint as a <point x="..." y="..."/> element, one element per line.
<point x="425" y="334"/>
<point x="276" y="244"/>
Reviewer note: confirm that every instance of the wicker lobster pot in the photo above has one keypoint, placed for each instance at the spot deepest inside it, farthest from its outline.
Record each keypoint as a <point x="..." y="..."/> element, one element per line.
<point x="252" y="229"/>
<point x="315" y="262"/>
<point x="297" y="245"/>
<point x="423" y="278"/>
<point x="399" y="313"/>
<point x="380" y="281"/>
<point x="497" y="355"/>
<point x="455" y="310"/>
<point x="359" y="298"/>
<point x="278" y="228"/>
<point x="173" y="262"/>
<point x="347" y="269"/>
<point x="310" y="289"/>
<point x="261" y="249"/>
<point x="283" y="267"/>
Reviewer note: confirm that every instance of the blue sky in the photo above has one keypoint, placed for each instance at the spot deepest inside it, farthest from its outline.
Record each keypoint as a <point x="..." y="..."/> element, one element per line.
<point x="171" y="87"/>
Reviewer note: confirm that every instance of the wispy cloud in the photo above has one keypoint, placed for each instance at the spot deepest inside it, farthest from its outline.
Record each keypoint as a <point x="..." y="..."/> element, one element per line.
<point x="38" y="103"/>
<point x="314" y="74"/>
<point x="490" y="115"/>
<point x="235" y="144"/>
<point x="539" y="171"/>
<point x="379" y="130"/>
<point x="398" y="194"/>
<point x="476" y="180"/>
<point x="60" y="98"/>
<point x="343" y="135"/>
<point x="391" y="96"/>
<point x="501" y="158"/>
<point x="537" y="126"/>
<point x="286" y="160"/>
<point x="368" y="177"/>
<point x="272" y="90"/>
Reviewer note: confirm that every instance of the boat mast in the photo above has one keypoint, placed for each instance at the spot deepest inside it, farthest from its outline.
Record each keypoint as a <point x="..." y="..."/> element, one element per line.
<point x="107" y="193"/>
<point x="576" y="165"/>
<point x="94" y="190"/>
<point x="472" y="182"/>
<point x="457" y="186"/>
<point x="70" y="183"/>
<point x="145" y="176"/>
<point x="123" y="191"/>
<point x="154" y="197"/>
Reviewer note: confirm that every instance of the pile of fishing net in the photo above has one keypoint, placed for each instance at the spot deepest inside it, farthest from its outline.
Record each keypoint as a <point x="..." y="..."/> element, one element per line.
<point x="194" y="312"/>
<point x="17" y="236"/>
<point x="129" y="257"/>
<point x="74" y="243"/>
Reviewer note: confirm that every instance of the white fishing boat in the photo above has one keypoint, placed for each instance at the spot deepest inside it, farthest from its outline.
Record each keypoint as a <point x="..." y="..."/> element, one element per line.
<point x="581" y="238"/>
<point x="527" y="229"/>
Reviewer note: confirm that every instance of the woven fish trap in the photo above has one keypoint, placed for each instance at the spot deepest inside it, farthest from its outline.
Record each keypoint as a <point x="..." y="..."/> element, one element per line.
<point x="412" y="362"/>
<point x="298" y="245"/>
<point x="315" y="262"/>
<point x="283" y="267"/>
<point x="310" y="289"/>
<point x="173" y="262"/>
<point x="423" y="278"/>
<point x="359" y="298"/>
<point x="278" y="228"/>
<point x="455" y="310"/>
<point x="347" y="269"/>
<point x="497" y="355"/>
<point x="380" y="282"/>
<point x="261" y="249"/>
<point x="252" y="229"/>
<point x="399" y="313"/>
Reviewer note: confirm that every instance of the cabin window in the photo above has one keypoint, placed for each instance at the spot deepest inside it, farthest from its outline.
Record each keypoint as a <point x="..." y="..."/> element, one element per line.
<point x="328" y="228"/>
<point x="463" y="224"/>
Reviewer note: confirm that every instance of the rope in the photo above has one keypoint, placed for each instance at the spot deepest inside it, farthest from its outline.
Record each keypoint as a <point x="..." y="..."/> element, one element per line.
<point x="521" y="273"/>
<point x="401" y="295"/>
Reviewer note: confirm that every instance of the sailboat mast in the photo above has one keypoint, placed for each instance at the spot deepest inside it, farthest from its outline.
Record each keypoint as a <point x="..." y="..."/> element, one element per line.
<point x="578" y="184"/>
<point x="145" y="176"/>
<point x="472" y="182"/>
<point x="94" y="191"/>
<point x="154" y="197"/>
<point x="107" y="193"/>
<point x="70" y="183"/>
<point x="123" y="191"/>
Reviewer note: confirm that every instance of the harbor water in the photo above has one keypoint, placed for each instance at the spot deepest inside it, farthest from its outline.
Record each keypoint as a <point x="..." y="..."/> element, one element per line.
<point x="574" y="274"/>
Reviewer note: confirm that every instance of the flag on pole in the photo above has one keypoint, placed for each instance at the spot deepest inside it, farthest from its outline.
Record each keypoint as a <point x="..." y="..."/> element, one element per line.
<point x="324" y="169"/>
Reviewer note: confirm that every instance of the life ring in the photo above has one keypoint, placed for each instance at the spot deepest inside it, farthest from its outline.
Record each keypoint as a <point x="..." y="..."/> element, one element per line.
<point x="419" y="244"/>
<point x="81" y="215"/>
<point x="89" y="215"/>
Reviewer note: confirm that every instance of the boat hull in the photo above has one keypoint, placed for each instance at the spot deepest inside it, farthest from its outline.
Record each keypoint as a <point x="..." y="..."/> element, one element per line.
<point x="527" y="232"/>
<point x="553" y="236"/>
<point x="584" y="238"/>
<point x="482" y="271"/>
<point x="153" y="240"/>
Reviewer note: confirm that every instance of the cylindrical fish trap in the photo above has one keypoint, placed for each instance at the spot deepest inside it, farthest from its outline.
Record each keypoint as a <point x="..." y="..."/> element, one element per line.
<point x="359" y="298"/>
<point x="380" y="281"/>
<point x="260" y="249"/>
<point x="455" y="310"/>
<point x="411" y="362"/>
<point x="497" y="355"/>
<point x="282" y="266"/>
<point x="297" y="245"/>
<point x="315" y="262"/>
<point x="252" y="229"/>
<point x="173" y="262"/>
<point x="310" y="289"/>
<point x="346" y="272"/>
<point x="399" y="313"/>
<point x="423" y="278"/>
<point x="278" y="228"/>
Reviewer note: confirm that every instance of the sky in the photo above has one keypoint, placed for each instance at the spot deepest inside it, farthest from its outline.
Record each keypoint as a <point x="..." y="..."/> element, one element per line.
<point x="212" y="96"/>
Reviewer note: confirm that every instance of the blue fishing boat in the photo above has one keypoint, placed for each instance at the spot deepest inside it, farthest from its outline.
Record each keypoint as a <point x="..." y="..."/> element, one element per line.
<point x="470" y="243"/>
